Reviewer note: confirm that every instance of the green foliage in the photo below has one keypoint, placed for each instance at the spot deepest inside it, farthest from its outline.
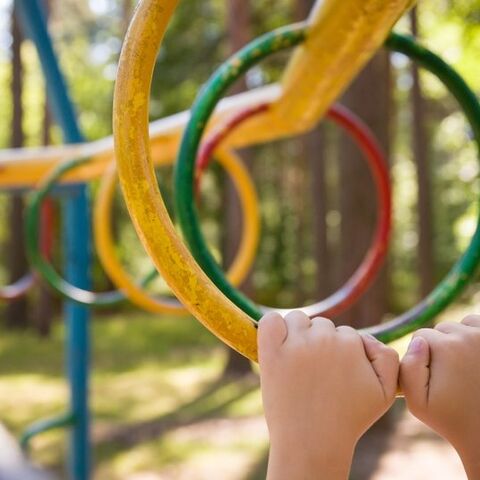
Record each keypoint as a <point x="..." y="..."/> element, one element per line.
<point x="88" y="38"/>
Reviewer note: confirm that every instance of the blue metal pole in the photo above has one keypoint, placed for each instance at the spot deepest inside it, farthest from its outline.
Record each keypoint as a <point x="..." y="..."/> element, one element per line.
<point x="76" y="241"/>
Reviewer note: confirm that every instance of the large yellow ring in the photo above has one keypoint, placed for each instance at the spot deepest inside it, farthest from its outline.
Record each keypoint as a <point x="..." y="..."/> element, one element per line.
<point x="240" y="267"/>
<point x="359" y="28"/>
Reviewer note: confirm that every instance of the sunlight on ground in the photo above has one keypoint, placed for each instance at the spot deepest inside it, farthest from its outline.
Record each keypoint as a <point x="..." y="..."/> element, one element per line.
<point x="160" y="411"/>
<point x="414" y="450"/>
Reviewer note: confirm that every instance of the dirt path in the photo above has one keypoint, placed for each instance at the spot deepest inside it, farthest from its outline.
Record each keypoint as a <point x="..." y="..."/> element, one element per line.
<point x="416" y="453"/>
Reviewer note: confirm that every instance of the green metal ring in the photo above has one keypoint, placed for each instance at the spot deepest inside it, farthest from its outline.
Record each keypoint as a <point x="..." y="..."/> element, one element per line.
<point x="41" y="265"/>
<point x="216" y="87"/>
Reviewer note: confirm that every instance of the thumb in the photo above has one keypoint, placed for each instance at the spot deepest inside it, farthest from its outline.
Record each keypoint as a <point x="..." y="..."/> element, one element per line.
<point x="385" y="362"/>
<point x="272" y="332"/>
<point x="415" y="373"/>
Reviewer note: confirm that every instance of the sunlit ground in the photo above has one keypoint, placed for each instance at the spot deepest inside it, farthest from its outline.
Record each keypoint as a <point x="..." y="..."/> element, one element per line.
<point x="161" y="410"/>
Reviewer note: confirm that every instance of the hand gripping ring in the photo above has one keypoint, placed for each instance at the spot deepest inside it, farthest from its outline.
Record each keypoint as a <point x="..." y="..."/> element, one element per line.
<point x="364" y="275"/>
<point x="240" y="266"/>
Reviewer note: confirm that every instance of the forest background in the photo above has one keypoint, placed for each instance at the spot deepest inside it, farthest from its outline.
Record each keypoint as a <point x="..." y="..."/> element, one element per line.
<point x="318" y="209"/>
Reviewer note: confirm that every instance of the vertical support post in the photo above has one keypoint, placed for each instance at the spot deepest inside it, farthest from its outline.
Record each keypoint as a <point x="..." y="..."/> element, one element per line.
<point x="76" y="241"/>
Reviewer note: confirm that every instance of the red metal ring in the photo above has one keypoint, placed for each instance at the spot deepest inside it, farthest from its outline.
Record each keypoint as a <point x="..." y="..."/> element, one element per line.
<point x="362" y="278"/>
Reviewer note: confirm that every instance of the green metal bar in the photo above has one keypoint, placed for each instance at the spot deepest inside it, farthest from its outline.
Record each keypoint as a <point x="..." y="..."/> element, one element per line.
<point x="61" y="421"/>
<point x="446" y="291"/>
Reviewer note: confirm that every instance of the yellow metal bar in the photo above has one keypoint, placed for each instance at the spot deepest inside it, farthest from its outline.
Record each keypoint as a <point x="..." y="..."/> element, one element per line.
<point x="244" y="258"/>
<point x="24" y="167"/>
<point x="355" y="28"/>
<point x="343" y="36"/>
<point x="142" y="195"/>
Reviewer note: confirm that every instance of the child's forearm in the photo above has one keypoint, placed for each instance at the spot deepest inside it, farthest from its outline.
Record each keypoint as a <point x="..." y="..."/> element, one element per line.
<point x="471" y="463"/>
<point x="302" y="463"/>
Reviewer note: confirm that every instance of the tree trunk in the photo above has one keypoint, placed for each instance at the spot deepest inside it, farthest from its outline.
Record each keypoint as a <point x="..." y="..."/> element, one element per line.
<point x="315" y="149"/>
<point x="420" y="151"/>
<point x="313" y="146"/>
<point x="370" y="98"/>
<point x="17" y="311"/>
<point x="238" y="18"/>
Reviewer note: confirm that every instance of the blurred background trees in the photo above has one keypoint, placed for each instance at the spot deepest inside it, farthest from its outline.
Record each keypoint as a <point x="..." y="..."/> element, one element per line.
<point x="317" y="204"/>
<point x="316" y="196"/>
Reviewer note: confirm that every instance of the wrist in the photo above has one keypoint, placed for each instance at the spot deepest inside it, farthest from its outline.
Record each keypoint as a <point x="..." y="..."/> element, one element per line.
<point x="471" y="463"/>
<point x="300" y="460"/>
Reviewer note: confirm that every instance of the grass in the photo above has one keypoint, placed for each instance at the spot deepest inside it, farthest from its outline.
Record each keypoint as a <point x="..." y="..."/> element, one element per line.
<point x="160" y="409"/>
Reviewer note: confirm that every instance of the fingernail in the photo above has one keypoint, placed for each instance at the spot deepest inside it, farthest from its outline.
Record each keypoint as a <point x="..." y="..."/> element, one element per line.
<point x="416" y="346"/>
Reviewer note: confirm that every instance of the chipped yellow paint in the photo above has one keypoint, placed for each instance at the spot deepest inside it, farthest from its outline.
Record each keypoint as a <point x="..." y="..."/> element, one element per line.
<point x="25" y="167"/>
<point x="141" y="192"/>
<point x="241" y="265"/>
<point x="343" y="35"/>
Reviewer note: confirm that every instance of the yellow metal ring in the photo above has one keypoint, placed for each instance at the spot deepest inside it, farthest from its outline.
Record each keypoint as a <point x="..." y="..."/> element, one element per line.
<point x="143" y="198"/>
<point x="359" y="27"/>
<point x="240" y="267"/>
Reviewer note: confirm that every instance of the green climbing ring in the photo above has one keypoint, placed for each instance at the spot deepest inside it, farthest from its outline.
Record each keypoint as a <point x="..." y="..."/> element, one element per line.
<point x="42" y="266"/>
<point x="450" y="287"/>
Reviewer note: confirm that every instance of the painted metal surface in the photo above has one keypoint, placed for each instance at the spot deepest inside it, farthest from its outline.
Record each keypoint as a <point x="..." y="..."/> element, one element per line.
<point x="76" y="237"/>
<point x="24" y="167"/>
<point x="22" y="286"/>
<point x="363" y="276"/>
<point x="342" y="36"/>
<point x="41" y="263"/>
<point x="241" y="264"/>
<point x="445" y="292"/>
<point x="143" y="198"/>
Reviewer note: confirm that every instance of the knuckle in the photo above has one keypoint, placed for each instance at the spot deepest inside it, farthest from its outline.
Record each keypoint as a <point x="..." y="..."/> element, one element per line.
<point x="422" y="332"/>
<point x="323" y="321"/>
<point x="444" y="326"/>
<point x="472" y="320"/>
<point x="391" y="353"/>
<point x="296" y="316"/>
<point x="346" y="329"/>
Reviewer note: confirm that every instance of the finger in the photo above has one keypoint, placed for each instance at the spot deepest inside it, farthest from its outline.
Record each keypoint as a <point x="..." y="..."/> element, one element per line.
<point x="472" y="321"/>
<point x="430" y="335"/>
<point x="415" y="372"/>
<point x="272" y="333"/>
<point x="322" y="324"/>
<point x="385" y="363"/>
<point x="347" y="331"/>
<point x="297" y="322"/>
<point x="450" y="327"/>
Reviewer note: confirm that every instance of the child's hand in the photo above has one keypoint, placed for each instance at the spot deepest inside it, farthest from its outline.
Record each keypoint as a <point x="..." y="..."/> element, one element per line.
<point x="322" y="387"/>
<point x="440" y="376"/>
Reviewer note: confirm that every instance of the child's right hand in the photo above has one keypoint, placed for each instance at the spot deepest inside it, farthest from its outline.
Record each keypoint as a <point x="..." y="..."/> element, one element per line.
<point x="440" y="377"/>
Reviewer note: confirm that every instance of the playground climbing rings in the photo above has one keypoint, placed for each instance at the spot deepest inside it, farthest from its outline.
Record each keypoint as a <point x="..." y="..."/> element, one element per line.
<point x="23" y="285"/>
<point x="240" y="266"/>
<point x="17" y="289"/>
<point x="171" y="257"/>
<point x="363" y="276"/>
<point x="40" y="263"/>
<point x="204" y="106"/>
